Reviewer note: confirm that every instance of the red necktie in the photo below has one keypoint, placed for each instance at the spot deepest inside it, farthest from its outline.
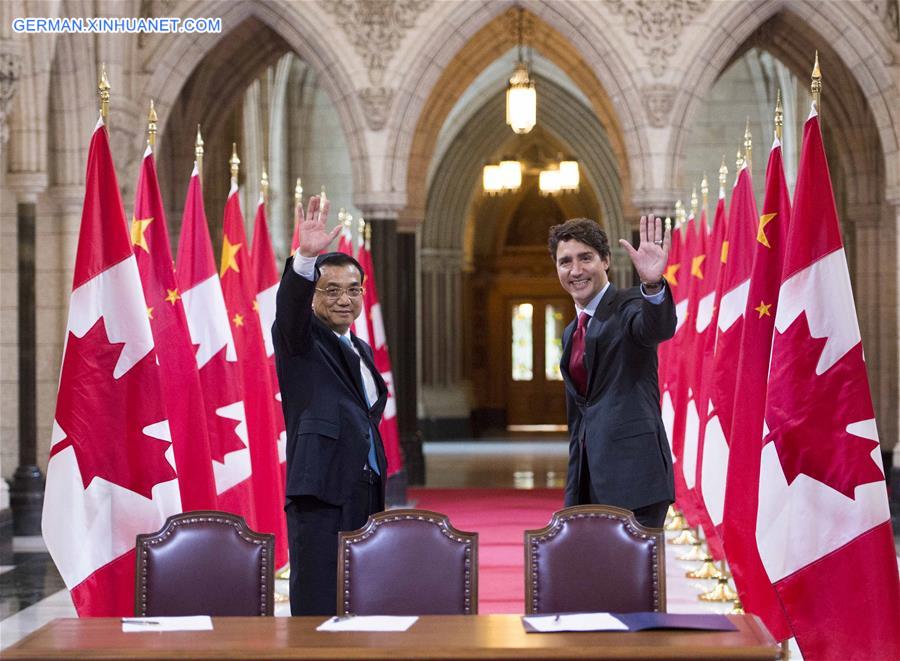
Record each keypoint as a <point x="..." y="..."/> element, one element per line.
<point x="576" y="359"/>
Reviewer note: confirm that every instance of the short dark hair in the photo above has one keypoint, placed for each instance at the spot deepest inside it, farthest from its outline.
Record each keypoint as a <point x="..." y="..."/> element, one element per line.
<point x="338" y="259"/>
<point x="584" y="230"/>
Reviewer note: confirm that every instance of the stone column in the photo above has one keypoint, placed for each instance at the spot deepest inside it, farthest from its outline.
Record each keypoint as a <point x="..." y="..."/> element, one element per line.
<point x="27" y="490"/>
<point x="393" y="257"/>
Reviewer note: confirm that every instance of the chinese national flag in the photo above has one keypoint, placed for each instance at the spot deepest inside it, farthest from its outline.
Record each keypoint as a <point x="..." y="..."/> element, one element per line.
<point x="739" y="516"/>
<point x="236" y="275"/>
<point x="111" y="473"/>
<point x="178" y="366"/>
<point x="370" y="327"/>
<point x="823" y="528"/>
<point x="265" y="278"/>
<point x="705" y="322"/>
<point x="720" y="375"/>
<point x="216" y="356"/>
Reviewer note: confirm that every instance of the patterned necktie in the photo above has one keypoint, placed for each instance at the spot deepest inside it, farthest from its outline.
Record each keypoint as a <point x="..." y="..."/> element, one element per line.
<point x="373" y="456"/>
<point x="576" y="359"/>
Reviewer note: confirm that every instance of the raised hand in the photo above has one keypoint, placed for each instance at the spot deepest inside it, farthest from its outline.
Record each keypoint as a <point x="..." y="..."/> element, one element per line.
<point x="314" y="236"/>
<point x="652" y="253"/>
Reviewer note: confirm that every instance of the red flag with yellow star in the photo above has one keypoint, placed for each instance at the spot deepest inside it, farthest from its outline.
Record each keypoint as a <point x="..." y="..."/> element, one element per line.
<point x="823" y="525"/>
<point x="111" y="472"/>
<point x="220" y="378"/>
<point x="265" y="279"/>
<point x="178" y="366"/>
<point x="236" y="274"/>
<point x="738" y="527"/>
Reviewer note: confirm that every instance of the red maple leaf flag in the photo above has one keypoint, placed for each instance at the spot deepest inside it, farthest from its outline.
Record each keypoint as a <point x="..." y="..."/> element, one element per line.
<point x="705" y="324"/>
<point x="668" y="360"/>
<point x="236" y="274"/>
<point x="823" y="527"/>
<point x="178" y="366"/>
<point x="720" y="377"/>
<point x="216" y="356"/>
<point x="740" y="505"/>
<point x="111" y="473"/>
<point x="370" y="326"/>
<point x="265" y="277"/>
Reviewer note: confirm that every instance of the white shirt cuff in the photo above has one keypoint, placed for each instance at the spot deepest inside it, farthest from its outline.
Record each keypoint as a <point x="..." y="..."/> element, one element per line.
<point x="305" y="267"/>
<point x="656" y="298"/>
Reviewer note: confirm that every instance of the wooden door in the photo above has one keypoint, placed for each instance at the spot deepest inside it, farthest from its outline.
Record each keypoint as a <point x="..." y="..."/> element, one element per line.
<point x="535" y="394"/>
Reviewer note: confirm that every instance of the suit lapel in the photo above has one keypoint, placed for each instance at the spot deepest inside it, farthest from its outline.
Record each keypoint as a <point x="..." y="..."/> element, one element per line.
<point x="601" y="314"/>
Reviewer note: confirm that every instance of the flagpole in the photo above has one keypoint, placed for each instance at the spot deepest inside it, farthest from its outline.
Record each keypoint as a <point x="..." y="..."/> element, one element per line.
<point x="103" y="91"/>
<point x="264" y="186"/>
<point x="779" y="116"/>
<point x="235" y="164"/>
<point x="198" y="153"/>
<point x="723" y="177"/>
<point x="151" y="126"/>
<point x="694" y="202"/>
<point x="815" y="86"/>
<point x="748" y="146"/>
<point x="298" y="194"/>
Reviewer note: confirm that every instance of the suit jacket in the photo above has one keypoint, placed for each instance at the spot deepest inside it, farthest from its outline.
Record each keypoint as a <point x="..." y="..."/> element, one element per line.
<point x="618" y="419"/>
<point x="323" y="398"/>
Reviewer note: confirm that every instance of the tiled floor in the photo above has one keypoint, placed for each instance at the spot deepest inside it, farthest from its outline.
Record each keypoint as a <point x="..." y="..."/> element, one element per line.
<point x="32" y="592"/>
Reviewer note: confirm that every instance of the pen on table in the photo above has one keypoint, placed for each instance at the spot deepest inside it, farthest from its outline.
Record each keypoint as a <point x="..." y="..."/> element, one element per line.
<point x="556" y="619"/>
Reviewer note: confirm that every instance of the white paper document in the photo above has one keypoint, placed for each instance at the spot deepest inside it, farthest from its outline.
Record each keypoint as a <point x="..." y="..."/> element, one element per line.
<point x="187" y="623"/>
<point x="368" y="623"/>
<point x="574" y="622"/>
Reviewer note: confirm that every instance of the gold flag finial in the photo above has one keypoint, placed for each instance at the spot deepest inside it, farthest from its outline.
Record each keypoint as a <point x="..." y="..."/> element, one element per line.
<point x="322" y="197"/>
<point x="264" y="185"/>
<point x="815" y="85"/>
<point x="198" y="152"/>
<point x="234" y="162"/>
<point x="779" y="116"/>
<point x="679" y="213"/>
<point x="298" y="194"/>
<point x="704" y="191"/>
<point x="342" y="216"/>
<point x="694" y="203"/>
<point x="368" y="235"/>
<point x="151" y="126"/>
<point x="723" y="177"/>
<point x="668" y="224"/>
<point x="748" y="145"/>
<point x="361" y="229"/>
<point x="738" y="162"/>
<point x="103" y="91"/>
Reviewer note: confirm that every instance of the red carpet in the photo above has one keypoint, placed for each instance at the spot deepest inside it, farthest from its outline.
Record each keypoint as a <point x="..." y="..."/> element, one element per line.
<point x="500" y="517"/>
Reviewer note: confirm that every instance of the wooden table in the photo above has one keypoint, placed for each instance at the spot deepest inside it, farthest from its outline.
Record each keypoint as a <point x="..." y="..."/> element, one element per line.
<point x="432" y="637"/>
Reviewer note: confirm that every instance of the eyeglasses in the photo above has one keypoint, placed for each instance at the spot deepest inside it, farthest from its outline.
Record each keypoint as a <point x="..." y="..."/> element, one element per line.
<point x="335" y="293"/>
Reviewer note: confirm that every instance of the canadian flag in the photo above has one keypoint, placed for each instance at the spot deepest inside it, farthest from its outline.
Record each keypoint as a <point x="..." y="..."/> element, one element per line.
<point x="668" y="358"/>
<point x="823" y="527"/>
<point x="235" y="272"/>
<point x="266" y="280"/>
<point x="216" y="355"/>
<point x="111" y="473"/>
<point x="374" y="334"/>
<point x="178" y="366"/>
<point x="732" y="288"/>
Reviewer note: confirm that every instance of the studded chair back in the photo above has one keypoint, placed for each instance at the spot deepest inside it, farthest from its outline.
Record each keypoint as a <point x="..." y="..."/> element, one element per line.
<point x="204" y="563"/>
<point x="408" y="562"/>
<point x="594" y="558"/>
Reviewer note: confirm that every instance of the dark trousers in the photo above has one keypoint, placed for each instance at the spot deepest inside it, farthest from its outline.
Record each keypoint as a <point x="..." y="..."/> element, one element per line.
<point x="313" y="527"/>
<point x="649" y="516"/>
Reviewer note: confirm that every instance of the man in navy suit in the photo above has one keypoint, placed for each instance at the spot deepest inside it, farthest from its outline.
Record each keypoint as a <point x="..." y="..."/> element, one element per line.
<point x="333" y="398"/>
<point x="618" y="452"/>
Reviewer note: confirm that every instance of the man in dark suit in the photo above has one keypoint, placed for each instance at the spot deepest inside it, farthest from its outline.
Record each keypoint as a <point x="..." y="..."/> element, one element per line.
<point x="618" y="452"/>
<point x="333" y="398"/>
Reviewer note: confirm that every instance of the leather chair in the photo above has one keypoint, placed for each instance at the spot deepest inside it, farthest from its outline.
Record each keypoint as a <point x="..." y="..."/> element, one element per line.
<point x="407" y="562"/>
<point x="205" y="563"/>
<point x="594" y="558"/>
